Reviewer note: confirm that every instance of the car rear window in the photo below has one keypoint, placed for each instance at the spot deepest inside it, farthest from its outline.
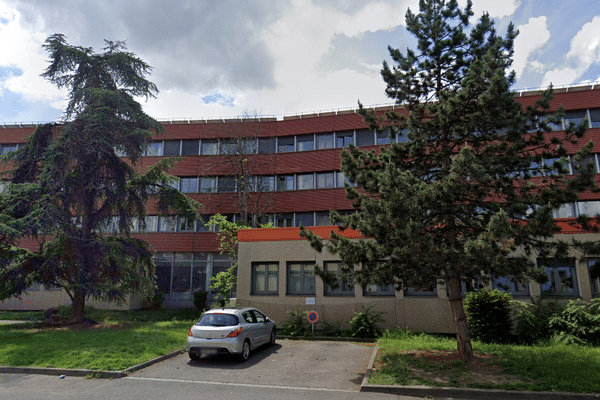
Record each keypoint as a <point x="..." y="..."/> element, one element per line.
<point x="218" y="319"/>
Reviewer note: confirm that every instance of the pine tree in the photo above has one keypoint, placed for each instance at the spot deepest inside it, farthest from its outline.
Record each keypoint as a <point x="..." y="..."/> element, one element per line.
<point x="469" y="190"/>
<point x="78" y="187"/>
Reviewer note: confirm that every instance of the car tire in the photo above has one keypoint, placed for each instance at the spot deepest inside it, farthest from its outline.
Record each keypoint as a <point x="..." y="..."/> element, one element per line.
<point x="245" y="354"/>
<point x="273" y="337"/>
<point x="193" y="356"/>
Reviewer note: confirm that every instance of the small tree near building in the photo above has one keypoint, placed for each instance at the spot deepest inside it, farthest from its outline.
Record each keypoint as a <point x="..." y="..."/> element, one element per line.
<point x="469" y="189"/>
<point x="78" y="188"/>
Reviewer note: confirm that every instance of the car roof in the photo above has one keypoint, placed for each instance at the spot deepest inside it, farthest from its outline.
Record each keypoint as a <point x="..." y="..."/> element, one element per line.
<point x="229" y="310"/>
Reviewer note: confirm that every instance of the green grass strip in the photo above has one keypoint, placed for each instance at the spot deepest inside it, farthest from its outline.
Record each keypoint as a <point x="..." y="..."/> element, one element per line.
<point x="545" y="367"/>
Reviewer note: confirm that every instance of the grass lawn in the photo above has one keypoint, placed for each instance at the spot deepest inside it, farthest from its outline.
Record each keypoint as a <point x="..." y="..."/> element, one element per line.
<point x="407" y="358"/>
<point x="121" y="339"/>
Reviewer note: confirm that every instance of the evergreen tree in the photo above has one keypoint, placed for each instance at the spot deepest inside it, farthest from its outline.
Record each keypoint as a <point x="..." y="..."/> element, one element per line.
<point x="469" y="190"/>
<point x="78" y="188"/>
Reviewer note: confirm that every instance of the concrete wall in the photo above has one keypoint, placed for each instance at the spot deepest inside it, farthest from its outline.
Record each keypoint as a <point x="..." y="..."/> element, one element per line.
<point x="420" y="313"/>
<point x="42" y="299"/>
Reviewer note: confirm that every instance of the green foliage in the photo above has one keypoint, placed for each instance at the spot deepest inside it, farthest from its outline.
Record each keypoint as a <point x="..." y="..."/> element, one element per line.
<point x="75" y="187"/>
<point x="489" y="315"/>
<point x="155" y="301"/>
<point x="295" y="324"/>
<point x="444" y="202"/>
<point x="200" y="299"/>
<point x="364" y="323"/>
<point x="577" y="323"/>
<point x="223" y="283"/>
<point x="533" y="320"/>
<point x="328" y="329"/>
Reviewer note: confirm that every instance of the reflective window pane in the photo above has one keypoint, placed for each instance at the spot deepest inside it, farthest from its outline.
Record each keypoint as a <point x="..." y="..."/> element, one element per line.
<point x="285" y="144"/>
<point x="190" y="147"/>
<point x="171" y="148"/>
<point x="305" y="142"/>
<point x="324" y="141"/>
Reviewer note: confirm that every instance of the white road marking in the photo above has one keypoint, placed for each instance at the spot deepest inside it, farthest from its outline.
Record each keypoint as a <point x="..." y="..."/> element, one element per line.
<point x="241" y="384"/>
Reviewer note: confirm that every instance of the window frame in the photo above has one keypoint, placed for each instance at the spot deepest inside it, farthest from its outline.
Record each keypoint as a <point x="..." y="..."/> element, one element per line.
<point x="553" y="270"/>
<point x="377" y="289"/>
<point x="306" y="271"/>
<point x="254" y="279"/>
<point x="344" y="288"/>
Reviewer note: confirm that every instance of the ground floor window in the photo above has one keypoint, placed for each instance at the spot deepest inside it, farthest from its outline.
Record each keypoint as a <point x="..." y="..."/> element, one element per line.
<point x="562" y="280"/>
<point x="345" y="282"/>
<point x="429" y="289"/>
<point x="265" y="278"/>
<point x="301" y="278"/>
<point x="511" y="285"/>
<point x="180" y="274"/>
<point x="594" y="269"/>
<point x="377" y="288"/>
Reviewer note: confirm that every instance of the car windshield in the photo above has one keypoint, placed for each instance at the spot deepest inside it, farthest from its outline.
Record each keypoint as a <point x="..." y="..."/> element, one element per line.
<point x="218" y="319"/>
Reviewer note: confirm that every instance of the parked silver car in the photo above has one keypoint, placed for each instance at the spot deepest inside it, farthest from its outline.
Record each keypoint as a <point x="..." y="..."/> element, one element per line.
<point x="230" y="331"/>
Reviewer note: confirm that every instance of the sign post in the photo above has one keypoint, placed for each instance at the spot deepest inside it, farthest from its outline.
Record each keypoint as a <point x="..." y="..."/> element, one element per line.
<point x="312" y="317"/>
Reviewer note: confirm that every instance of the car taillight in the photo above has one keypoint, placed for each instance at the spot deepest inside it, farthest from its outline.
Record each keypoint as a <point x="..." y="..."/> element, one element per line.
<point x="190" y="332"/>
<point x="235" y="333"/>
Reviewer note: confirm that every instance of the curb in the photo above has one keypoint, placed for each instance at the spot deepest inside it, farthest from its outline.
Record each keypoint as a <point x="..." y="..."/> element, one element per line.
<point x="87" y="372"/>
<point x="328" y="338"/>
<point x="464" y="393"/>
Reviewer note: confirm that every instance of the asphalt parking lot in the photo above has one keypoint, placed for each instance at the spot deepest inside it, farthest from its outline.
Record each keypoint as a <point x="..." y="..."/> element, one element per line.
<point x="290" y="363"/>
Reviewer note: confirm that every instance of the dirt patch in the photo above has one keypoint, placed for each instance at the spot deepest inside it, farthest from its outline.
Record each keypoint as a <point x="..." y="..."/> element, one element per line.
<point x="448" y="368"/>
<point x="85" y="325"/>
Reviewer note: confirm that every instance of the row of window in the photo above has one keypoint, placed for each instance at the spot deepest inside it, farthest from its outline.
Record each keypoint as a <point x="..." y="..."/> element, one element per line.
<point x="306" y="142"/>
<point x="574" y="118"/>
<point x="300" y="280"/>
<point x="185" y="273"/>
<point x="269" y="183"/>
<point x="316" y="141"/>
<point x="308" y="181"/>
<point x="173" y="224"/>
<point x="270" y="145"/>
<point x="9" y="147"/>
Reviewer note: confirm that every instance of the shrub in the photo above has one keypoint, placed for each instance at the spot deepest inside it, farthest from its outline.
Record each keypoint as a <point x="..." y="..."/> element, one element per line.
<point x="364" y="324"/>
<point x="332" y="330"/>
<point x="488" y="315"/>
<point x="200" y="299"/>
<point x="295" y="324"/>
<point x="577" y="323"/>
<point x="533" y="320"/>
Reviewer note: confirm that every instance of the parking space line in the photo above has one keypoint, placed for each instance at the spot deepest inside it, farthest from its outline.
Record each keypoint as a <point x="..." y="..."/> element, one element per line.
<point x="242" y="384"/>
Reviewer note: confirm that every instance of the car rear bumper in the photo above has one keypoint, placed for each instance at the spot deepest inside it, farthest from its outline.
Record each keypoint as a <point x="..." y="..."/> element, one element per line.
<point x="206" y="347"/>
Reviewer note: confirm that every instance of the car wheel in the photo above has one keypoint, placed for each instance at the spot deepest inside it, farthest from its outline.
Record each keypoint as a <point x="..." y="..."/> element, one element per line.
<point x="245" y="350"/>
<point x="273" y="338"/>
<point x="193" y="356"/>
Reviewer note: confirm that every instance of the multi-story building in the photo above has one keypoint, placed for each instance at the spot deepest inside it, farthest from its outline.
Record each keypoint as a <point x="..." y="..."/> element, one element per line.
<point x="287" y="171"/>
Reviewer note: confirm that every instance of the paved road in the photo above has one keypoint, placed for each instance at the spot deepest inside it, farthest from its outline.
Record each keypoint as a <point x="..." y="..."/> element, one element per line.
<point x="290" y="363"/>
<point x="42" y="387"/>
<point x="288" y="370"/>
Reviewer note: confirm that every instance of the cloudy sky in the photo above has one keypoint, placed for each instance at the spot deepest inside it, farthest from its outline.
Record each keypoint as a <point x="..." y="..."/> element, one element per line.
<point x="214" y="59"/>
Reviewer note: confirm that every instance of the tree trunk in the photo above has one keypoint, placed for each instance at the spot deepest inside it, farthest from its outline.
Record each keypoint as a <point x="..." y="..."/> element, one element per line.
<point x="463" y="337"/>
<point x="77" y="312"/>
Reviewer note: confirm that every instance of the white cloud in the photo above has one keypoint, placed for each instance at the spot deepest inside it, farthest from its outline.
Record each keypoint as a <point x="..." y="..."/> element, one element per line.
<point x="496" y="8"/>
<point x="584" y="51"/>
<point x="558" y="77"/>
<point x="21" y="50"/>
<point x="376" y="17"/>
<point x="533" y="35"/>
